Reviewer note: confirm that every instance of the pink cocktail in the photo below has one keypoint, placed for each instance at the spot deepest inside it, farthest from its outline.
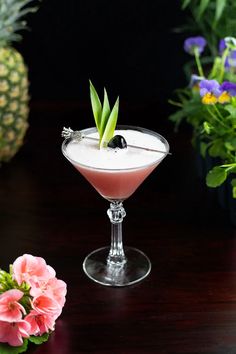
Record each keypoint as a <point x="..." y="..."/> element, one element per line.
<point x="115" y="185"/>
<point x="116" y="174"/>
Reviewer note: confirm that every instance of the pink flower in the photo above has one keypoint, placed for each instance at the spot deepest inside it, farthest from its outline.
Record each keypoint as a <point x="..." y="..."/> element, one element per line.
<point x="46" y="306"/>
<point x="57" y="289"/>
<point x="40" y="323"/>
<point x="29" y="268"/>
<point x="54" y="288"/>
<point x="23" y="314"/>
<point x="12" y="333"/>
<point x="10" y="309"/>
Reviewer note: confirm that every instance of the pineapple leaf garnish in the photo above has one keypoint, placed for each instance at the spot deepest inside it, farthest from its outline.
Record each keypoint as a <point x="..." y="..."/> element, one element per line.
<point x="96" y="106"/>
<point x="111" y="125"/>
<point x="105" y="112"/>
<point x="105" y="119"/>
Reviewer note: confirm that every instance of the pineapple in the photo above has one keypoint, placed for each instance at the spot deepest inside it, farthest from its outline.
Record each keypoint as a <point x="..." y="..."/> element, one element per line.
<point x="14" y="86"/>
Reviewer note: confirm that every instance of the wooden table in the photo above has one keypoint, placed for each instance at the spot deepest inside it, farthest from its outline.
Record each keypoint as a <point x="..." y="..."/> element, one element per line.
<point x="188" y="302"/>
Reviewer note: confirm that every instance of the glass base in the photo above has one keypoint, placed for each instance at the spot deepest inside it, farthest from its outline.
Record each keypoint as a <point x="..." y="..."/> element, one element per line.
<point x="135" y="269"/>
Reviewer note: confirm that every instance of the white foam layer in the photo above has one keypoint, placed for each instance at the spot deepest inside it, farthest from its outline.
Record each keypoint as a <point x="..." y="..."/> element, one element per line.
<point x="87" y="152"/>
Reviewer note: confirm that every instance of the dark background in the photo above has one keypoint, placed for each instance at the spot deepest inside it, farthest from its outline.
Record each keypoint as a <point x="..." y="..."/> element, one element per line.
<point x="47" y="209"/>
<point x="127" y="46"/>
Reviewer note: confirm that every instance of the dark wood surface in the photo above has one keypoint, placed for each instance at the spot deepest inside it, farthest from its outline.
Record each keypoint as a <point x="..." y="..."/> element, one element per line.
<point x="188" y="302"/>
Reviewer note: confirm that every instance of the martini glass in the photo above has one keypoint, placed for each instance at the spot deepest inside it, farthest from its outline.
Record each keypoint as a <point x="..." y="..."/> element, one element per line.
<point x="115" y="265"/>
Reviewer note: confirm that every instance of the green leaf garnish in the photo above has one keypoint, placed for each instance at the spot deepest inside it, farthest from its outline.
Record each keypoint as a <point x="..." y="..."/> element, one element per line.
<point x="96" y="106"/>
<point x="105" y="119"/>
<point x="105" y="112"/>
<point x="111" y="125"/>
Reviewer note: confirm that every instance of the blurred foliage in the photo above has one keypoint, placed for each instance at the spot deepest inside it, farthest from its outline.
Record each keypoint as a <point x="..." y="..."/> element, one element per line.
<point x="213" y="19"/>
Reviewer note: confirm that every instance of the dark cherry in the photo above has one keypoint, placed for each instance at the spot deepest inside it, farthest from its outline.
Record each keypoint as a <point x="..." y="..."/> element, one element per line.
<point x="118" y="141"/>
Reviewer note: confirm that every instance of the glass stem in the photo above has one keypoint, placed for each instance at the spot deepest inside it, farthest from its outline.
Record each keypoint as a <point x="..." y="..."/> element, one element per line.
<point x="116" y="214"/>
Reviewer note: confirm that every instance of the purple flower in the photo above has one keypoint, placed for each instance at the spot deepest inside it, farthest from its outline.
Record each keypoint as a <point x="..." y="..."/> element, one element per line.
<point x="231" y="58"/>
<point x="209" y="86"/>
<point x="229" y="87"/>
<point x="191" y="43"/>
<point x="209" y="91"/>
<point x="194" y="81"/>
<point x="222" y="46"/>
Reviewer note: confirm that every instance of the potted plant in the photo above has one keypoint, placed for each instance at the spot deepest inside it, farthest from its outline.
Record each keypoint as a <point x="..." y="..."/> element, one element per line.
<point x="208" y="103"/>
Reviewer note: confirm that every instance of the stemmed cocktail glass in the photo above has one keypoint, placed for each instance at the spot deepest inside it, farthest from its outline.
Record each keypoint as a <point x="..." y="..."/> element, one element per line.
<point x="115" y="265"/>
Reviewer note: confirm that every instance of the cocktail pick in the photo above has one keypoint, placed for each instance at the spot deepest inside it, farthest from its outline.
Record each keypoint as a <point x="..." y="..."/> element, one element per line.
<point x="69" y="133"/>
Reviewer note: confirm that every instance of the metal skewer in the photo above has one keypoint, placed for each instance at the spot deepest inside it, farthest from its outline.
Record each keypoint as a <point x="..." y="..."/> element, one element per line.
<point x="76" y="134"/>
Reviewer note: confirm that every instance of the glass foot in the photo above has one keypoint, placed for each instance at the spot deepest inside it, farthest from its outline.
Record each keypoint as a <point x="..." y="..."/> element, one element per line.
<point x="135" y="269"/>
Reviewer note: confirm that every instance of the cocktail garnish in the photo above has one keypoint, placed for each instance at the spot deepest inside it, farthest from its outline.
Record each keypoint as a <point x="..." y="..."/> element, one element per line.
<point x="104" y="117"/>
<point x="118" y="141"/>
<point x="68" y="133"/>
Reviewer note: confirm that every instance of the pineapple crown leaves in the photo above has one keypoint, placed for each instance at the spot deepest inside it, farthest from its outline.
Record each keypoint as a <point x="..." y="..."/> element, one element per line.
<point x="104" y="117"/>
<point x="11" y="13"/>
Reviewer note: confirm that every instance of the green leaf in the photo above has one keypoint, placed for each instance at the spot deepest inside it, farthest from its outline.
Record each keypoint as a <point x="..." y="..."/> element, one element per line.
<point x="234" y="192"/>
<point x="233" y="99"/>
<point x="217" y="148"/>
<point x="233" y="182"/>
<point x="111" y="125"/>
<point x="185" y="4"/>
<point x="203" y="148"/>
<point x="202" y="7"/>
<point x="177" y="116"/>
<point x="207" y="127"/>
<point x="96" y="106"/>
<point x="229" y="146"/>
<point x="220" y="5"/>
<point x="232" y="110"/>
<point x="39" y="339"/>
<point x="230" y="143"/>
<point x="216" y="176"/>
<point x="7" y="349"/>
<point x="105" y="113"/>
<point x="216" y="69"/>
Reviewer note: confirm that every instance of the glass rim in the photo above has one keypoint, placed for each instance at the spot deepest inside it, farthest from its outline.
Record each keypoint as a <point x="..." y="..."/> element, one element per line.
<point x="118" y="127"/>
